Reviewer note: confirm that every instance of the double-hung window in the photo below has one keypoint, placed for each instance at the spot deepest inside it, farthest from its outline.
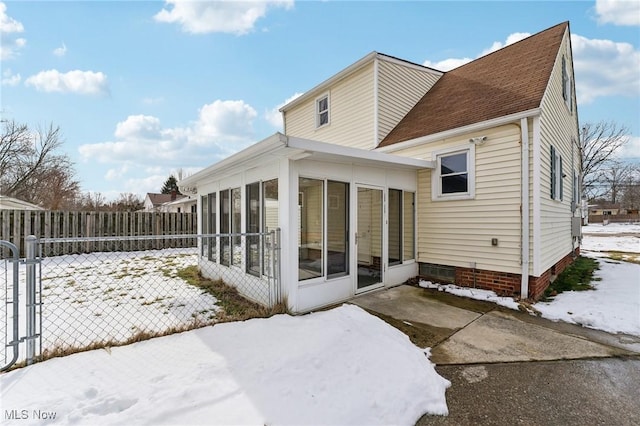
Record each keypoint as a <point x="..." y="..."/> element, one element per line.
<point x="322" y="111"/>
<point x="556" y="174"/>
<point x="454" y="175"/>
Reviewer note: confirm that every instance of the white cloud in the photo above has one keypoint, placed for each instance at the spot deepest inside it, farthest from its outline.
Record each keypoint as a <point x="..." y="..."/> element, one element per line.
<point x="9" y="27"/>
<point x="199" y="17"/>
<point x="274" y="116"/>
<point x="117" y="173"/>
<point x="222" y="127"/>
<point x="139" y="127"/>
<point x="81" y="82"/>
<point x="451" y="63"/>
<point x="60" y="51"/>
<point x="631" y="149"/>
<point x="9" y="78"/>
<point x="618" y="12"/>
<point x="511" y="38"/>
<point x="605" y="68"/>
<point x="447" y="64"/>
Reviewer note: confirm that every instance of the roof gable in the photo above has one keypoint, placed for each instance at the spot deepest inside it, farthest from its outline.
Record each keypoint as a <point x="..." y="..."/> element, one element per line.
<point x="507" y="81"/>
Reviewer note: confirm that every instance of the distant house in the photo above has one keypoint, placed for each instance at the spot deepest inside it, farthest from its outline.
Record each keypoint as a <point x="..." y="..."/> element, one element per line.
<point x="611" y="212"/>
<point x="606" y="210"/>
<point x="390" y="170"/>
<point x="10" y="203"/>
<point x="170" y="203"/>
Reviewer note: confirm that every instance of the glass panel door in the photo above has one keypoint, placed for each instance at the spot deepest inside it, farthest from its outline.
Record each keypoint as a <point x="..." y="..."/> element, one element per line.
<point x="369" y="237"/>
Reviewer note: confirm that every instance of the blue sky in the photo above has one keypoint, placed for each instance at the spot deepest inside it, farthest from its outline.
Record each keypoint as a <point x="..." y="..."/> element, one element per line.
<point x="140" y="89"/>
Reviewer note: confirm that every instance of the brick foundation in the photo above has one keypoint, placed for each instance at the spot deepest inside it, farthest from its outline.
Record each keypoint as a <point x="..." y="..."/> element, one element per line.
<point x="508" y="284"/>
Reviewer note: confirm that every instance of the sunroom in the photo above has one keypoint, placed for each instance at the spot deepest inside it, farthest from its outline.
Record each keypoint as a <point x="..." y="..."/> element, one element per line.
<point x="307" y="221"/>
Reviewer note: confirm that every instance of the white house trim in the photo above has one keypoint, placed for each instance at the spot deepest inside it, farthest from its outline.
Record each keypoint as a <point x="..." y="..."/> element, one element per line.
<point x="408" y="64"/>
<point x="461" y="130"/>
<point x="524" y="282"/>
<point x="375" y="102"/>
<point x="339" y="153"/>
<point x="537" y="173"/>
<point x="279" y="145"/>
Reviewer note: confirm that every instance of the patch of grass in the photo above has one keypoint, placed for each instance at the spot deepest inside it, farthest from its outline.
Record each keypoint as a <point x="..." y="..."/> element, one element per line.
<point x="622" y="256"/>
<point x="576" y="277"/>
<point x="234" y="306"/>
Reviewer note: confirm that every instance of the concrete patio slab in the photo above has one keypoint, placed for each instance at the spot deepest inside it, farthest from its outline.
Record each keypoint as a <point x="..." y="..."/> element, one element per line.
<point x="500" y="337"/>
<point x="410" y="304"/>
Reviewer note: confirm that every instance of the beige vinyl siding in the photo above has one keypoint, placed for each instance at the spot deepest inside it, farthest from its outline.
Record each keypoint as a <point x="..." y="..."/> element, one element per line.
<point x="459" y="233"/>
<point x="557" y="127"/>
<point x="351" y="117"/>
<point x="399" y="89"/>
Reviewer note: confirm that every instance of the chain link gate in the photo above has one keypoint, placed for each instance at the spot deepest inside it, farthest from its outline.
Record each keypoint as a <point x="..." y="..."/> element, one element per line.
<point x="20" y="323"/>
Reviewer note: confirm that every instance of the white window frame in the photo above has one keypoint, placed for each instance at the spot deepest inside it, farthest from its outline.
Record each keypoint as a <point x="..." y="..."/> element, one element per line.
<point x="319" y="113"/>
<point x="436" y="181"/>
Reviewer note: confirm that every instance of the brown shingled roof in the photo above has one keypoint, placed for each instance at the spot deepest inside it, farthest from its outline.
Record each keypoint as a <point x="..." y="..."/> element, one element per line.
<point x="510" y="80"/>
<point x="157" y="199"/>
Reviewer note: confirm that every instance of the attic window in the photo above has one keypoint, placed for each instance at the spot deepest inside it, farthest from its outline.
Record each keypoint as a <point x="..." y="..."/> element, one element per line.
<point x="322" y="111"/>
<point x="566" y="84"/>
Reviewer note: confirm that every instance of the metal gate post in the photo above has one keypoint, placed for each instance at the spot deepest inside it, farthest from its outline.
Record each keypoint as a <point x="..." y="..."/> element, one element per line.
<point x="15" y="340"/>
<point x="31" y="243"/>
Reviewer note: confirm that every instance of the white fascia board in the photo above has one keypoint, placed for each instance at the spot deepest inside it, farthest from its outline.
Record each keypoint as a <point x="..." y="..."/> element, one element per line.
<point x="408" y="64"/>
<point x="265" y="146"/>
<point x="356" y="155"/>
<point x="331" y="80"/>
<point x="516" y="117"/>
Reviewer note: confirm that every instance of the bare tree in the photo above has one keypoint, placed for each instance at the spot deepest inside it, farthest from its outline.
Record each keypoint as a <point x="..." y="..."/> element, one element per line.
<point x="128" y="202"/>
<point x="615" y="179"/>
<point x="631" y="191"/>
<point x="599" y="142"/>
<point x="92" y="201"/>
<point x="31" y="169"/>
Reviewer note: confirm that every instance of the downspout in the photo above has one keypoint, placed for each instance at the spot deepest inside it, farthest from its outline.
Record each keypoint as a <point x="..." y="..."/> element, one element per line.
<point x="524" y="283"/>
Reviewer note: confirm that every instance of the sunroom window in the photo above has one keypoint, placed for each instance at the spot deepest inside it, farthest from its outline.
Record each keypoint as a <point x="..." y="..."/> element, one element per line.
<point x="262" y="216"/>
<point x="401" y="227"/>
<point x="323" y="249"/>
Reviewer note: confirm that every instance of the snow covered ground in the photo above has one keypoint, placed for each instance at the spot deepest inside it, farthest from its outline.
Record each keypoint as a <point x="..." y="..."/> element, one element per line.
<point x="613" y="305"/>
<point x="342" y="366"/>
<point x="111" y="297"/>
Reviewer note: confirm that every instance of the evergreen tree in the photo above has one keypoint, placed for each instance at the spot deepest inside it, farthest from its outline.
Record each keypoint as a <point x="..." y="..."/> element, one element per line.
<point x="170" y="185"/>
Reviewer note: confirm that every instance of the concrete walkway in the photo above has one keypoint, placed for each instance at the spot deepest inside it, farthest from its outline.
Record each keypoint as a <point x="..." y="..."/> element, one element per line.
<point x="508" y="367"/>
<point x="464" y="331"/>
